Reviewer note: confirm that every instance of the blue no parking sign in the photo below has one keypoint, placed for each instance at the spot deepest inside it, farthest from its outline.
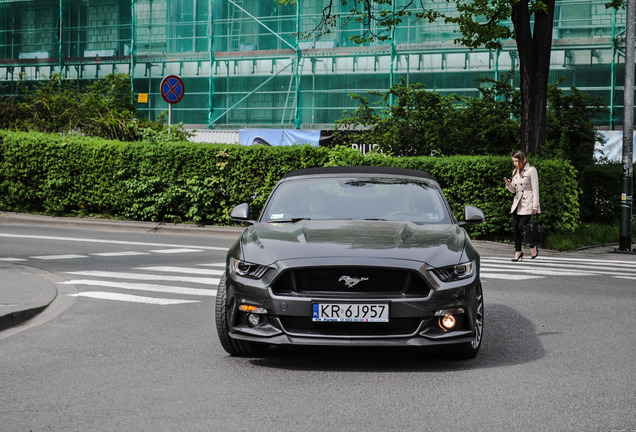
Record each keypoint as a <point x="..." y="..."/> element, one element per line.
<point x="172" y="89"/>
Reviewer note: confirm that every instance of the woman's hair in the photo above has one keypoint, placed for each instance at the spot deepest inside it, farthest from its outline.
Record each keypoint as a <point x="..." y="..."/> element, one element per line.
<point x="522" y="157"/>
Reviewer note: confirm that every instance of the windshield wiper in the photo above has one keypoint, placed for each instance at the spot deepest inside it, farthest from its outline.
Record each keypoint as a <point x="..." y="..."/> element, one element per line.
<point x="289" y="220"/>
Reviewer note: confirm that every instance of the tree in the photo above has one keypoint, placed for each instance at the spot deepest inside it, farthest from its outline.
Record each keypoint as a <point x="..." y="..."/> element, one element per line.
<point x="481" y="24"/>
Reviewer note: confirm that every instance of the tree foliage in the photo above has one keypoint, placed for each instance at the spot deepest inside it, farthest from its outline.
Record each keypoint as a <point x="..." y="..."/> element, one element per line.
<point x="570" y="131"/>
<point x="103" y="108"/>
<point x="424" y="122"/>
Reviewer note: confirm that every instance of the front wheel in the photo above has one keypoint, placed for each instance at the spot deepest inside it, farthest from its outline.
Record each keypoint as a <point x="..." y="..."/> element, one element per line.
<point x="234" y="347"/>
<point x="468" y="350"/>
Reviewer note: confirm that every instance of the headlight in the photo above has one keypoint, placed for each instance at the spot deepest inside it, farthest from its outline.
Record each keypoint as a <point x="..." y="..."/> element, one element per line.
<point x="455" y="272"/>
<point x="245" y="269"/>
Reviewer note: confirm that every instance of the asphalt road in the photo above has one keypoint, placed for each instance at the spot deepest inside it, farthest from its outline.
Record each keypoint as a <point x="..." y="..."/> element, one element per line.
<point x="558" y="350"/>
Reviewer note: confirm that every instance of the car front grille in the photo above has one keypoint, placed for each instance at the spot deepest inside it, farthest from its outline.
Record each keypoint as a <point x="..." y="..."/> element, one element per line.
<point x="351" y="282"/>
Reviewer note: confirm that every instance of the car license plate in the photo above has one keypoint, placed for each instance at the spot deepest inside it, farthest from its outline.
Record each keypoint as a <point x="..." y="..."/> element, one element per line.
<point x="350" y="312"/>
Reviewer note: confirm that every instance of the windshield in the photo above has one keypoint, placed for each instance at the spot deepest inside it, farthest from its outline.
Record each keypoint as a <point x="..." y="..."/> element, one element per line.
<point x="356" y="198"/>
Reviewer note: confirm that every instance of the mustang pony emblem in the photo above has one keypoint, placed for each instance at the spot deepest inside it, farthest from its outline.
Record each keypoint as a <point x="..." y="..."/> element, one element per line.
<point x="351" y="281"/>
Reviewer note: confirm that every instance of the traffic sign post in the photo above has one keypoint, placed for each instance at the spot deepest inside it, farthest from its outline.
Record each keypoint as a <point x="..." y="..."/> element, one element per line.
<point x="172" y="91"/>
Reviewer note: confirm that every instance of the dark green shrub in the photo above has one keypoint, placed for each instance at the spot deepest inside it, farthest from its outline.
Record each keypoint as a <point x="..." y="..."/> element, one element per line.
<point x="601" y="186"/>
<point x="103" y="108"/>
<point x="200" y="183"/>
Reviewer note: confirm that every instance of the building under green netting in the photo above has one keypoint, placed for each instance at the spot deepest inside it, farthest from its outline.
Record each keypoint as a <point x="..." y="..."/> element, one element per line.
<point x="244" y="66"/>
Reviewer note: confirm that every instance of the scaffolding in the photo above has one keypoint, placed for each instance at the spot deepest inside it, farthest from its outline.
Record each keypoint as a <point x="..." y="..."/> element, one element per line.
<point x="244" y="65"/>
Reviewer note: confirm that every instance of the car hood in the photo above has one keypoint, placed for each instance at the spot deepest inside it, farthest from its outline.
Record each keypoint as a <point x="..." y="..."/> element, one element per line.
<point x="436" y="245"/>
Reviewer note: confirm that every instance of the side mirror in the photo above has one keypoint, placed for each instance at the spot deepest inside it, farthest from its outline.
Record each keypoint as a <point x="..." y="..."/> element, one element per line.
<point x="241" y="213"/>
<point x="472" y="215"/>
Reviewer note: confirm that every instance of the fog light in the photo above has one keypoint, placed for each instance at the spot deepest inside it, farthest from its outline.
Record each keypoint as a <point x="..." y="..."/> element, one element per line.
<point x="447" y="322"/>
<point x="253" y="320"/>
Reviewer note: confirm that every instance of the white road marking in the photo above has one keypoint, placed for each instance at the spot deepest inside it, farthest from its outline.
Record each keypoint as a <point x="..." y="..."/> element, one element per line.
<point x="131" y="298"/>
<point x="222" y="264"/>
<point x="12" y="259"/>
<point x="144" y="287"/>
<point x="625" y="266"/>
<point x="180" y="250"/>
<point x="117" y="254"/>
<point x="145" y="277"/>
<point x="626" y="277"/>
<point x="556" y="272"/>
<point x="590" y="260"/>
<point x="58" y="257"/>
<point x="508" y="276"/>
<point x="538" y="271"/>
<point x="556" y="266"/>
<point x="195" y="271"/>
<point x="121" y="242"/>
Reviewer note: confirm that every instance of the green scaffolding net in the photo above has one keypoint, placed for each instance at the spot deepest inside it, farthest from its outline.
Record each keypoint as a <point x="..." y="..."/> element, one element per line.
<point x="244" y="65"/>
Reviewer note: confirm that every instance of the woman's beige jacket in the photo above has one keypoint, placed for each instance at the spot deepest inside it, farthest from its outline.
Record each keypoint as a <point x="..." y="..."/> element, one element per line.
<point x="525" y="186"/>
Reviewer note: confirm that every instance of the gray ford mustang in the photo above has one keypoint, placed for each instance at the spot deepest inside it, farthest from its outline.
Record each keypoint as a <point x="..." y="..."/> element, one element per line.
<point x="366" y="256"/>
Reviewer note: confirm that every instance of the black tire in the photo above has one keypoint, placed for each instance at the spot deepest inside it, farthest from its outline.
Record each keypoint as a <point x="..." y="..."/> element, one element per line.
<point x="468" y="350"/>
<point x="234" y="347"/>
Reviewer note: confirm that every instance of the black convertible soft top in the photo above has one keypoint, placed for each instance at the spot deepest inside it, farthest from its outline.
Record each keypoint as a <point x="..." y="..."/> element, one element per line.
<point x="356" y="170"/>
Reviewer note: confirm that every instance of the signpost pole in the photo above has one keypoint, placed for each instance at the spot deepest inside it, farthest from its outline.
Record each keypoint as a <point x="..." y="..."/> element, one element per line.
<point x="169" y="118"/>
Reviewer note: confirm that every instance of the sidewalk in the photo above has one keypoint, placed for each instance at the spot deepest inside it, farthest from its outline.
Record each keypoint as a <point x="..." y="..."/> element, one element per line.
<point x="24" y="292"/>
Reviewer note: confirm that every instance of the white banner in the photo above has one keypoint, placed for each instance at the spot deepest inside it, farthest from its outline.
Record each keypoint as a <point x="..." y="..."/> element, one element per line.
<point x="279" y="137"/>
<point x="612" y="148"/>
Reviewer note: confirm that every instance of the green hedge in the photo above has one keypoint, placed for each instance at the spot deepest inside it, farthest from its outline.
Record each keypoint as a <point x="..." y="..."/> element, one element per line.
<point x="200" y="183"/>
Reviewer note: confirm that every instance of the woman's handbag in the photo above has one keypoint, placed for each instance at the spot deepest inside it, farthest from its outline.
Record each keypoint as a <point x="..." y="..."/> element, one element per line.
<point x="532" y="233"/>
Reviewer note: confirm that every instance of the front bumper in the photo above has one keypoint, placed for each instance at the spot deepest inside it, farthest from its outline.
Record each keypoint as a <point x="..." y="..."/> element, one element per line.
<point x="417" y="339"/>
<point x="414" y="321"/>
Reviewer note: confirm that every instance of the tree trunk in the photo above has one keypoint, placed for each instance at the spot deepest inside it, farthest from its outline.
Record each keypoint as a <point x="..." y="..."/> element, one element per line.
<point x="534" y="47"/>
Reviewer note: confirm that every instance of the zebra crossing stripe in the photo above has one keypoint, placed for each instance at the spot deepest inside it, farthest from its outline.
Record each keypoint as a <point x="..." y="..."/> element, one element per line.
<point x="118" y="254"/>
<point x="146" y="277"/>
<point x="131" y="298"/>
<point x="58" y="257"/>
<point x="537" y="271"/>
<point x="555" y="266"/>
<point x="624" y="266"/>
<point x="165" y="289"/>
<point x="589" y="260"/>
<point x="195" y="271"/>
<point x="556" y="271"/>
<point x="508" y="276"/>
<point x="181" y="250"/>
<point x="103" y="241"/>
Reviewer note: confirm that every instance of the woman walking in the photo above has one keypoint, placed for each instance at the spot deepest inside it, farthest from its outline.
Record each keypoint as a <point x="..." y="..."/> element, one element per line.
<point x="525" y="185"/>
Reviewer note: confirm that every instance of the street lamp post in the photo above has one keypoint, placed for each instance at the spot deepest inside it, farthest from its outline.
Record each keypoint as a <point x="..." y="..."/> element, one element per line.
<point x="625" y="238"/>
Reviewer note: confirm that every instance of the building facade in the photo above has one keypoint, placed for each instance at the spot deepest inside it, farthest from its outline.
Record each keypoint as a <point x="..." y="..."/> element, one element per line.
<point x="243" y="64"/>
